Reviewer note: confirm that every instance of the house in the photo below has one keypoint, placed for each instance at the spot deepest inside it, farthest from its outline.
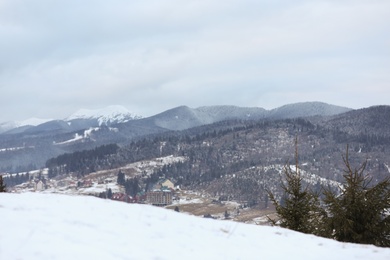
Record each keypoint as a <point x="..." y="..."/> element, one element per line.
<point x="39" y="185"/>
<point x="168" y="184"/>
<point x="164" y="184"/>
<point x="159" y="197"/>
<point x="123" y="197"/>
<point x="161" y="194"/>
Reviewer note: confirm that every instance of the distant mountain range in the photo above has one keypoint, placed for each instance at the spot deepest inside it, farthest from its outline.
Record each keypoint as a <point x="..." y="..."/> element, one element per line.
<point x="178" y="118"/>
<point x="183" y="117"/>
<point x="33" y="144"/>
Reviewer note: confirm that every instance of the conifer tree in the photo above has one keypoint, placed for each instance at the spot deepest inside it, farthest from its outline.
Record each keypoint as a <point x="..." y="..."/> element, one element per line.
<point x="121" y="178"/>
<point x="109" y="193"/>
<point x="360" y="213"/>
<point x="300" y="210"/>
<point x="3" y="187"/>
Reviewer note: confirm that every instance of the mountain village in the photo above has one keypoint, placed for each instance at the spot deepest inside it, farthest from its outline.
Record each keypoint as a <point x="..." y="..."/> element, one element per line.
<point x="103" y="184"/>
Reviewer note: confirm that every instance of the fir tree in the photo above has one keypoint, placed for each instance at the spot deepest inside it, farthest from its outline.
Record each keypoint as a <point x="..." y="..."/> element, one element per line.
<point x="300" y="210"/>
<point x="3" y="187"/>
<point x="121" y="178"/>
<point x="109" y="193"/>
<point x="360" y="213"/>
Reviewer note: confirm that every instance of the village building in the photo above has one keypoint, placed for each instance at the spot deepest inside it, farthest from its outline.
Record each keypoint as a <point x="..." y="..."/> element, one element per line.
<point x="159" y="197"/>
<point x="39" y="185"/>
<point x="123" y="197"/>
<point x="164" y="184"/>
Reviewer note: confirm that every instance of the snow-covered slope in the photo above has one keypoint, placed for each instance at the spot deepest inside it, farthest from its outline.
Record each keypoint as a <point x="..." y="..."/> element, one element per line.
<point x="107" y="115"/>
<point x="82" y="119"/>
<point x="7" y="126"/>
<point x="50" y="226"/>
<point x="15" y="124"/>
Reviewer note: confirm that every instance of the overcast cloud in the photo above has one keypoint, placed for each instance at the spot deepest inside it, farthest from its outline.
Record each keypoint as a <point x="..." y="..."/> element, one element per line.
<point x="149" y="56"/>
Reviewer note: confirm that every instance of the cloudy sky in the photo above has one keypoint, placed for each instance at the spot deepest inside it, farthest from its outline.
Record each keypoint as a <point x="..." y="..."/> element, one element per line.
<point x="152" y="55"/>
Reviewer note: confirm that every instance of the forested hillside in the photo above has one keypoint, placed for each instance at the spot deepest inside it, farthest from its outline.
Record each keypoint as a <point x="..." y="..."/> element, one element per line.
<point x="240" y="160"/>
<point x="29" y="147"/>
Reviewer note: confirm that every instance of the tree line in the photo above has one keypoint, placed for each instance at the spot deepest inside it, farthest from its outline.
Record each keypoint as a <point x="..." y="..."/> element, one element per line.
<point x="16" y="179"/>
<point x="82" y="162"/>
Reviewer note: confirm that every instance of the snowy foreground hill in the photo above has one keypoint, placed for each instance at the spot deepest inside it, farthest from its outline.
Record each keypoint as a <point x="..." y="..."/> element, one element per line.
<point x="50" y="226"/>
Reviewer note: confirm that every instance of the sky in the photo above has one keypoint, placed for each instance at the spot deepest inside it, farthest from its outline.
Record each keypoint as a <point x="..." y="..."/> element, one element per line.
<point x="152" y="55"/>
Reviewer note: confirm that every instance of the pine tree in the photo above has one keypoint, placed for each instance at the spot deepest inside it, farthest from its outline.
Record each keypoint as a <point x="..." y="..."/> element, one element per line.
<point x="121" y="178"/>
<point x="300" y="210"/>
<point x="109" y="193"/>
<point x="360" y="213"/>
<point x="3" y="187"/>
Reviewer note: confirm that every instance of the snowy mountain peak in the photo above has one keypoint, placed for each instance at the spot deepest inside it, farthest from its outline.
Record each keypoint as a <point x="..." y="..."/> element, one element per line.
<point x="107" y="115"/>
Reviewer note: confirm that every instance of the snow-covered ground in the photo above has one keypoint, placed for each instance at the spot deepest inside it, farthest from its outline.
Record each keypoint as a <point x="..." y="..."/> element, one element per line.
<point x="307" y="176"/>
<point x="52" y="226"/>
<point x="149" y="166"/>
<point x="77" y="137"/>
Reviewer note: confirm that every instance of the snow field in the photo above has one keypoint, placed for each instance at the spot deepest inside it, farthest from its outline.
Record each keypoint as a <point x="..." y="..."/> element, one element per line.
<point x="52" y="226"/>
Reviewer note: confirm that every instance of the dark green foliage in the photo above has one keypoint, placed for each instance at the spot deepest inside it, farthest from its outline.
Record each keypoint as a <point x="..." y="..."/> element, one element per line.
<point x="132" y="186"/>
<point x="109" y="193"/>
<point x="360" y="213"/>
<point x="3" y="187"/>
<point x="300" y="210"/>
<point x="103" y="195"/>
<point x="83" y="162"/>
<point x="121" y="178"/>
<point x="226" y="214"/>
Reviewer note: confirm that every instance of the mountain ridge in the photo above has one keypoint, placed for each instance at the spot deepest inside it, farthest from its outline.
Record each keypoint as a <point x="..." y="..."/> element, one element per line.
<point x="107" y="115"/>
<point x="307" y="109"/>
<point x="34" y="121"/>
<point x="81" y="119"/>
<point x="116" y="114"/>
<point x="184" y="117"/>
<point x="81" y="134"/>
